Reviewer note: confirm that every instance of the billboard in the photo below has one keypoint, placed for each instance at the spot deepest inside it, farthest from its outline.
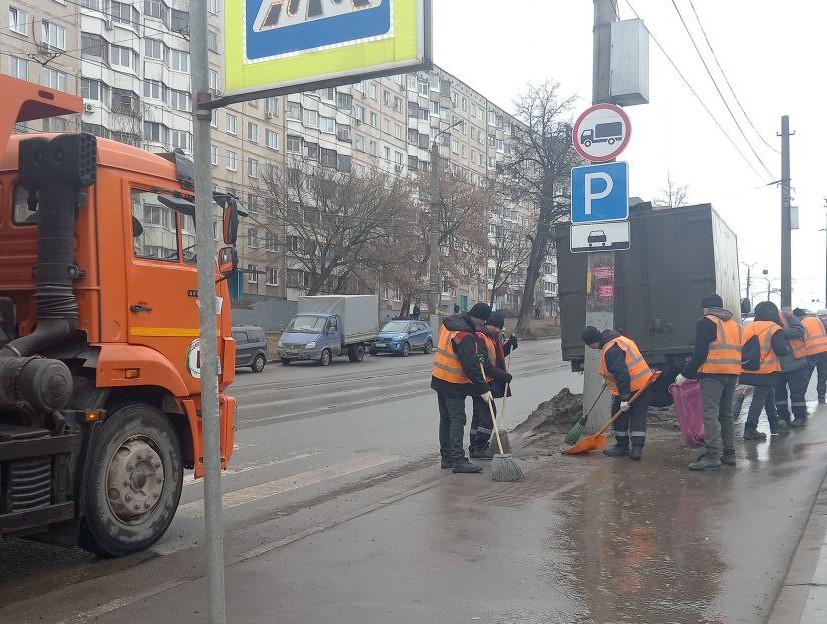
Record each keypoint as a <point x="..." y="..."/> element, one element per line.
<point x="274" y="47"/>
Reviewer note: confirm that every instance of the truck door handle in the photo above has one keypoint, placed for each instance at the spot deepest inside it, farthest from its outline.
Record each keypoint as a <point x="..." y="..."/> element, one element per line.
<point x="140" y="307"/>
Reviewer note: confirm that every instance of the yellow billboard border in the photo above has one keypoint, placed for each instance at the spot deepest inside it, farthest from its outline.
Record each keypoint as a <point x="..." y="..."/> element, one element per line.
<point x="408" y="47"/>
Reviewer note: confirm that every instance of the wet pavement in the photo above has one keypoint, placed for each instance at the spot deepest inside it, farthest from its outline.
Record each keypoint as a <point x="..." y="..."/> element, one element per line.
<point x="581" y="540"/>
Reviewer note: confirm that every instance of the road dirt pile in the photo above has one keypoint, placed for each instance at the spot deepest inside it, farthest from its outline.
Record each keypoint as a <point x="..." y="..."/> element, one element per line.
<point x="553" y="417"/>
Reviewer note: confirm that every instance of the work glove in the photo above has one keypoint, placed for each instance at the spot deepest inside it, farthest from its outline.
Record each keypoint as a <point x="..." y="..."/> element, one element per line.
<point x="487" y="397"/>
<point x="624" y="406"/>
<point x="512" y="342"/>
<point x="507" y="377"/>
<point x="680" y="380"/>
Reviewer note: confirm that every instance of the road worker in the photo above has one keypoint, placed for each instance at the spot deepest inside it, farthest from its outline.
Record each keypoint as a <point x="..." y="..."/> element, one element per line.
<point x="626" y="374"/>
<point x="717" y="362"/>
<point x="496" y="373"/>
<point x="795" y="374"/>
<point x="816" y="349"/>
<point x="762" y="344"/>
<point x="456" y="374"/>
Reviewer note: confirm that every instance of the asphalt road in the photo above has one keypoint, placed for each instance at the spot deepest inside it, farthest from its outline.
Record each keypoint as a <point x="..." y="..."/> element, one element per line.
<point x="312" y="443"/>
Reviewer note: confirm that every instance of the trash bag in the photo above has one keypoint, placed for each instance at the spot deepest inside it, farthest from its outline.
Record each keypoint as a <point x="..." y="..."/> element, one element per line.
<point x="689" y="408"/>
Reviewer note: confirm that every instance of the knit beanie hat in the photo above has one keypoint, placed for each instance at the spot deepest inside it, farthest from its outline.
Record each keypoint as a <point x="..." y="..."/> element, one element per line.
<point x="591" y="335"/>
<point x="497" y="319"/>
<point x="712" y="301"/>
<point x="480" y="311"/>
<point x="800" y="313"/>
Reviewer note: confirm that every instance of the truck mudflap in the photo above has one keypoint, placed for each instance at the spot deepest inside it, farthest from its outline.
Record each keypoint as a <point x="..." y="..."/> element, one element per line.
<point x="227" y="413"/>
<point x="34" y="478"/>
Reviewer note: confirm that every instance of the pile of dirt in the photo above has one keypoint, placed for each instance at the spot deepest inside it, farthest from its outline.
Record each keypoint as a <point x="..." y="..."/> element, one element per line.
<point x="552" y="417"/>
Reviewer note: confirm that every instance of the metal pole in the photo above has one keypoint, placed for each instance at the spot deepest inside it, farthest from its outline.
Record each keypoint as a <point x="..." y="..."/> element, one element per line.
<point x="825" y="268"/>
<point x="749" y="268"/>
<point x="434" y="288"/>
<point x="207" y="316"/>
<point x="600" y="289"/>
<point x="786" y="253"/>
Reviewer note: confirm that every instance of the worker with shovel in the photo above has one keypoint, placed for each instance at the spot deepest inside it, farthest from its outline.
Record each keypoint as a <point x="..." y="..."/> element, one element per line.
<point x="456" y="374"/>
<point x="625" y="373"/>
<point x="499" y="379"/>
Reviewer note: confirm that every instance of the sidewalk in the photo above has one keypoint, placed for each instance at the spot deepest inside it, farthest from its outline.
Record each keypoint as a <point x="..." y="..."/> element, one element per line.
<point x="581" y="540"/>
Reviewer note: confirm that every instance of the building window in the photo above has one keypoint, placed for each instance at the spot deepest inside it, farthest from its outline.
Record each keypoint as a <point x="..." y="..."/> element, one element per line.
<point x="398" y="158"/>
<point x="94" y="48"/>
<point x="344" y="101"/>
<point x="386" y="293"/>
<point x="181" y="139"/>
<point x="213" y="119"/>
<point x="18" y="21"/>
<point x="328" y="158"/>
<point x="327" y="94"/>
<point x="53" y="79"/>
<point x="155" y="49"/>
<point x="372" y="90"/>
<point x="327" y="125"/>
<point x="270" y="242"/>
<point x="359" y="112"/>
<point x="343" y="133"/>
<point x="271" y="139"/>
<point x="374" y="120"/>
<point x="397" y="131"/>
<point x="155" y="90"/>
<point x="294" y="111"/>
<point x="155" y="132"/>
<point x="212" y="6"/>
<point x="94" y="90"/>
<point x="311" y="119"/>
<point x="252" y="271"/>
<point x="294" y="143"/>
<point x="252" y="238"/>
<point x="434" y="108"/>
<point x="272" y="276"/>
<point x="412" y="83"/>
<point x="19" y="68"/>
<point x="123" y="57"/>
<point x="123" y="13"/>
<point x="232" y="124"/>
<point x="313" y="152"/>
<point x="232" y="161"/>
<point x="213" y="155"/>
<point x="374" y="148"/>
<point x="423" y="88"/>
<point x="252" y="132"/>
<point x="455" y="146"/>
<point x="212" y="41"/>
<point x="272" y="106"/>
<point x="397" y="295"/>
<point x="180" y="100"/>
<point x="54" y="35"/>
<point x="252" y="167"/>
<point x="180" y="61"/>
<point x="180" y="21"/>
<point x="296" y="278"/>
<point x="360" y="143"/>
<point x="387" y="152"/>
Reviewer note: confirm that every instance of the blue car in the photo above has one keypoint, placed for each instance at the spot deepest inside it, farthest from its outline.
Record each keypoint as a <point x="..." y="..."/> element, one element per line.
<point x="402" y="337"/>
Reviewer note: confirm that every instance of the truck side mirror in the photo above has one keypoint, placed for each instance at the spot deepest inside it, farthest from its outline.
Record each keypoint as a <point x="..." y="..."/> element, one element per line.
<point x="229" y="218"/>
<point x="746" y="306"/>
<point x="227" y="260"/>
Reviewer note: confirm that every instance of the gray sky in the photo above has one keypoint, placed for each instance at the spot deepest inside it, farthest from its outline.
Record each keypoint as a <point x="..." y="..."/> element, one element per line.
<point x="772" y="53"/>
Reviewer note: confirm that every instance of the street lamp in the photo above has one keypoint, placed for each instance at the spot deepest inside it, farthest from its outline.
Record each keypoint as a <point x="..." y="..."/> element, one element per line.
<point x="434" y="285"/>
<point x="749" y="275"/>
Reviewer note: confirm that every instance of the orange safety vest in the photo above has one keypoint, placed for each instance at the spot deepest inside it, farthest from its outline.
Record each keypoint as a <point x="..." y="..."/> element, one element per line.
<point x="796" y="344"/>
<point x="639" y="370"/>
<point x="447" y="365"/>
<point x="816" y="336"/>
<point x="724" y="356"/>
<point x="768" y="361"/>
<point x="491" y="352"/>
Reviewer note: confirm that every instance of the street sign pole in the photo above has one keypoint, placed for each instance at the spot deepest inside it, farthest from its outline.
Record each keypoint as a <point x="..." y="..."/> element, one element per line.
<point x="599" y="301"/>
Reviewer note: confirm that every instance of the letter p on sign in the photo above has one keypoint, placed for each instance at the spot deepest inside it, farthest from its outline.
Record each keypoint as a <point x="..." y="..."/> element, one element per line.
<point x="591" y="193"/>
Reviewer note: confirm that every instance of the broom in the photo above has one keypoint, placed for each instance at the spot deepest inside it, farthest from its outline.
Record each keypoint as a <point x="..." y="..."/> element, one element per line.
<point x="574" y="433"/>
<point x="503" y="467"/>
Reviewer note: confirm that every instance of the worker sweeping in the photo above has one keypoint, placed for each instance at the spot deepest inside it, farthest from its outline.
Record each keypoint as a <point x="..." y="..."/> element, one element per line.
<point x="499" y="379"/>
<point x="816" y="350"/>
<point x="717" y="362"/>
<point x="625" y="373"/>
<point x="456" y="374"/>
<point x="795" y="375"/>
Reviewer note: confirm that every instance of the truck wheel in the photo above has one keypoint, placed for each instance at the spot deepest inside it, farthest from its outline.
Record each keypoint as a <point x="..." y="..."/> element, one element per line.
<point x="326" y="357"/>
<point x="259" y="363"/>
<point x="135" y="480"/>
<point x="587" y="143"/>
<point x="285" y="361"/>
<point x="356" y="354"/>
<point x="406" y="350"/>
<point x="429" y="345"/>
<point x="374" y="352"/>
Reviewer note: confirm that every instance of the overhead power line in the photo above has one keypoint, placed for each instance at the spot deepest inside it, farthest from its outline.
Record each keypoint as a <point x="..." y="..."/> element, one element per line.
<point x="714" y="56"/>
<point x="718" y="89"/>
<point x="698" y="97"/>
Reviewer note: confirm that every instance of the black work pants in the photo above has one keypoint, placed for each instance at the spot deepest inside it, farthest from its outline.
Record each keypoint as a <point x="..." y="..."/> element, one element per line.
<point x="631" y="424"/>
<point x="797" y="381"/>
<point x="481" y="424"/>
<point x="762" y="399"/>
<point x="819" y="363"/>
<point x="451" y="427"/>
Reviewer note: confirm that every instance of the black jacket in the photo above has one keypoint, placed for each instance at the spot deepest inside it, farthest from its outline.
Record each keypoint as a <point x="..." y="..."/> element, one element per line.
<point x="616" y="363"/>
<point x="497" y="370"/>
<point x="466" y="347"/>
<point x="706" y="332"/>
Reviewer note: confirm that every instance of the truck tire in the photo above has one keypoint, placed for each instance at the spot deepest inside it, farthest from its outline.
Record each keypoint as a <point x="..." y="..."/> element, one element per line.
<point x="135" y="478"/>
<point x="326" y="357"/>
<point x="356" y="353"/>
<point x="406" y="350"/>
<point x="259" y="363"/>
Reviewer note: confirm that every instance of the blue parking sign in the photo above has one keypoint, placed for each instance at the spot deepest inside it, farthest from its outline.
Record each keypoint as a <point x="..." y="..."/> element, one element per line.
<point x="600" y="192"/>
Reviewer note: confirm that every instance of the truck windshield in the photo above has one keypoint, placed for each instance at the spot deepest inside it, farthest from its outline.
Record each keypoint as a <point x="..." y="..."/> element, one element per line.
<point x="306" y="324"/>
<point x="396" y="326"/>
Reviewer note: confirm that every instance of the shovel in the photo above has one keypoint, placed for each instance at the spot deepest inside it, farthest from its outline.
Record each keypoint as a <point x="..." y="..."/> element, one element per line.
<point x="598" y="440"/>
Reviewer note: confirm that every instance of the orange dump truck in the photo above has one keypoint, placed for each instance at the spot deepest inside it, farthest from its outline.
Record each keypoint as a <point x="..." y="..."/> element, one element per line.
<point x="99" y="359"/>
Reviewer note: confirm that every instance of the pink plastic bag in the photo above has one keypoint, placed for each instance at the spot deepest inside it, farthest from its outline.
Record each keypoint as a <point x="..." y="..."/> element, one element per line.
<point x="689" y="408"/>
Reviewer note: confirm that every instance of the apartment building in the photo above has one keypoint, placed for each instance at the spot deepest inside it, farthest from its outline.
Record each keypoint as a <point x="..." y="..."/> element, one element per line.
<point x="131" y="63"/>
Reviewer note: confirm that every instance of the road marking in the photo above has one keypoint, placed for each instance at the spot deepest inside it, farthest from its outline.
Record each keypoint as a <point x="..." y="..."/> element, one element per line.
<point x="339" y="393"/>
<point x="255" y="493"/>
<point x="190" y="479"/>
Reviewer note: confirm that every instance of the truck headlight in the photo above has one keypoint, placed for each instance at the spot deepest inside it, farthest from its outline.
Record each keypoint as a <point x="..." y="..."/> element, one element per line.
<point x="310" y="345"/>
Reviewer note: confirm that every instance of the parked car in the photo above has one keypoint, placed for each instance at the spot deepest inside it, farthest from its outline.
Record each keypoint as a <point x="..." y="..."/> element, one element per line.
<point x="401" y="337"/>
<point x="250" y="347"/>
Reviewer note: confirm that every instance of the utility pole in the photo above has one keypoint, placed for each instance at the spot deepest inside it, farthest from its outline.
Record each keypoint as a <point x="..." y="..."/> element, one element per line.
<point x="599" y="301"/>
<point x="434" y="288"/>
<point x="214" y="532"/>
<point x="749" y="267"/>
<point x="786" y="234"/>
<point x="825" y="255"/>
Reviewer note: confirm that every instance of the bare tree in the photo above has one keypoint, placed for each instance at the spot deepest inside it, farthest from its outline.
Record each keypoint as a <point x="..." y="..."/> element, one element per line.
<point x="337" y="227"/>
<point x="538" y="171"/>
<point x="510" y="248"/>
<point x="673" y="196"/>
